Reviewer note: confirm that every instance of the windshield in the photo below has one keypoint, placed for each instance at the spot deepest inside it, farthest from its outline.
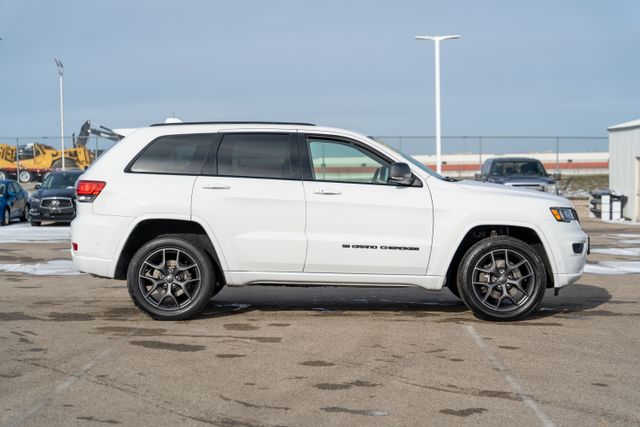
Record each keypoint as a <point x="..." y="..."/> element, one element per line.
<point x="60" y="180"/>
<point x="409" y="159"/>
<point x="519" y="167"/>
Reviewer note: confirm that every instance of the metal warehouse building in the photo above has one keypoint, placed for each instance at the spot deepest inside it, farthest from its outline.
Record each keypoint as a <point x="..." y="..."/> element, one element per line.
<point x="624" y="165"/>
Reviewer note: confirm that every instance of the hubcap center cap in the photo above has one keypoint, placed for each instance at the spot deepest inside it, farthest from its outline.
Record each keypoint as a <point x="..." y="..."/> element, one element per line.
<point x="169" y="278"/>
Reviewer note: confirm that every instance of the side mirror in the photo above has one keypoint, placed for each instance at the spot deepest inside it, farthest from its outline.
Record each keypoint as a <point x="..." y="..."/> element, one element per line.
<point x="477" y="176"/>
<point x="400" y="174"/>
<point x="37" y="186"/>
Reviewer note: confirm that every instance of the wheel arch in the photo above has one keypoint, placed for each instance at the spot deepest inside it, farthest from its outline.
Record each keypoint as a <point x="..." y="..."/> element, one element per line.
<point x="527" y="233"/>
<point x="151" y="228"/>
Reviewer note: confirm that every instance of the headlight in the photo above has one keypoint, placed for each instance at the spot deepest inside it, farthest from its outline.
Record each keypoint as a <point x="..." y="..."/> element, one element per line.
<point x="34" y="202"/>
<point x="564" y="214"/>
<point x="552" y="188"/>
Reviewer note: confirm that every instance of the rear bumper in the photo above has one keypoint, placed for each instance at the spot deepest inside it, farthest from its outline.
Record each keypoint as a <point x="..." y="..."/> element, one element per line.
<point x="97" y="266"/>
<point x="98" y="240"/>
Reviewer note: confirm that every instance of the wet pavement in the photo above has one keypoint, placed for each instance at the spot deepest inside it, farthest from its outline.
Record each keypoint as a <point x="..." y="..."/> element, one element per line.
<point x="75" y="351"/>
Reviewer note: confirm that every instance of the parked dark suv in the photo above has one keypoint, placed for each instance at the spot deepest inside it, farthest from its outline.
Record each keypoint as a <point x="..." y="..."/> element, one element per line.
<point x="521" y="172"/>
<point x="55" y="199"/>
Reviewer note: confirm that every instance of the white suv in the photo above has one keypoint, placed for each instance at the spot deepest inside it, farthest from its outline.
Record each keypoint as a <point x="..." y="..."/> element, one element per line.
<point x="181" y="210"/>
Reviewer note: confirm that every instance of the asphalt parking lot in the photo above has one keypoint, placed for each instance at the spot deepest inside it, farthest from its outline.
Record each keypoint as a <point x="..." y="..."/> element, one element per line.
<point x="75" y="351"/>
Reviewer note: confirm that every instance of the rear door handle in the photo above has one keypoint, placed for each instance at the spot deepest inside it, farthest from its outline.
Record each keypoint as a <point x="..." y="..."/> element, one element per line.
<point x="216" y="187"/>
<point x="328" y="192"/>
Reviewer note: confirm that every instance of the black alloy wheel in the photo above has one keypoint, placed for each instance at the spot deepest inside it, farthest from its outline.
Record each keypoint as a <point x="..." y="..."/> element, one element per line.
<point x="502" y="278"/>
<point x="171" y="278"/>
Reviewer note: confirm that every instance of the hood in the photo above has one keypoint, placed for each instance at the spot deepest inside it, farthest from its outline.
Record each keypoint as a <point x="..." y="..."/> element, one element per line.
<point x="509" y="191"/>
<point x="54" y="192"/>
<point x="522" y="178"/>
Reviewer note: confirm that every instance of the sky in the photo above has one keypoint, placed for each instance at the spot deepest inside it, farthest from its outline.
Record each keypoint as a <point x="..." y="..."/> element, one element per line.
<point x="520" y="67"/>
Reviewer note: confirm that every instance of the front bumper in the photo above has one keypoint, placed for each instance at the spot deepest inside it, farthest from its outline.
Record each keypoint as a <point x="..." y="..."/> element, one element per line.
<point x="56" y="215"/>
<point x="569" y="263"/>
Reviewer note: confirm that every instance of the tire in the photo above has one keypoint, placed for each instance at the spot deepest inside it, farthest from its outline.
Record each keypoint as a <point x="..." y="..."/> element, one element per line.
<point x="25" y="176"/>
<point x="68" y="163"/>
<point x="25" y="214"/>
<point x="502" y="278"/>
<point x="6" y="217"/>
<point x="36" y="223"/>
<point x="155" y="268"/>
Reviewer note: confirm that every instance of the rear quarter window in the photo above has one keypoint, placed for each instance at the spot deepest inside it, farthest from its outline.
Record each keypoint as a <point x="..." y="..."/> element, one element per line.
<point x="173" y="154"/>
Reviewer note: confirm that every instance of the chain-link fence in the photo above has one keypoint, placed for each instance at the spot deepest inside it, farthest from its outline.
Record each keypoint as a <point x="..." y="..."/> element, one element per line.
<point x="35" y="156"/>
<point x="426" y="145"/>
<point x="32" y="158"/>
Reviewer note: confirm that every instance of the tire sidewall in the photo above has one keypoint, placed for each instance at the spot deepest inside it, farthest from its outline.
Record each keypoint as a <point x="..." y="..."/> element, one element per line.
<point x="27" y="176"/>
<point x="6" y="217"/>
<point x="206" y="284"/>
<point x="480" y="249"/>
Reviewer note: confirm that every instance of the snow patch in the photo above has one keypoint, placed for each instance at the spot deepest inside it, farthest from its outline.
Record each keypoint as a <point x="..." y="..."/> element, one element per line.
<point x="25" y="233"/>
<point x="617" y="251"/>
<point x="55" y="267"/>
<point x="625" y="236"/>
<point x="613" y="267"/>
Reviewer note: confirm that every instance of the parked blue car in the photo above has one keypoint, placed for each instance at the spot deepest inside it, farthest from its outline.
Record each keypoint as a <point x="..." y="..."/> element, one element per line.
<point x="13" y="202"/>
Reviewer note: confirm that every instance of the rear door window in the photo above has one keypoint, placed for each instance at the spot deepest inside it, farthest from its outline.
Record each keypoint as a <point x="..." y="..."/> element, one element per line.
<point x="174" y="155"/>
<point x="258" y="155"/>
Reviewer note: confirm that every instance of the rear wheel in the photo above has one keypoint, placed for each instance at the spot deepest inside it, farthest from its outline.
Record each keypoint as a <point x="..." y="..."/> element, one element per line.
<point x="25" y="176"/>
<point x="502" y="278"/>
<point x="171" y="278"/>
<point x="6" y="217"/>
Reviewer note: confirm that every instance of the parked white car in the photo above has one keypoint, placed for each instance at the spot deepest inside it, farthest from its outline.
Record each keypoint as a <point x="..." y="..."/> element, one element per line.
<point x="181" y="210"/>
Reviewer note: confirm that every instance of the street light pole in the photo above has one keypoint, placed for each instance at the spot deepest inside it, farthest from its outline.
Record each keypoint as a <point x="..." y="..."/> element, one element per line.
<point x="437" y="40"/>
<point x="61" y="73"/>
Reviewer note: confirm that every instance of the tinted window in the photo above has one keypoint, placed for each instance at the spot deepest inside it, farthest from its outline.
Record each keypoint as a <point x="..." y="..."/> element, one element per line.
<point x="257" y="156"/>
<point x="174" y="154"/>
<point x="522" y="167"/>
<point x="338" y="161"/>
<point x="61" y="180"/>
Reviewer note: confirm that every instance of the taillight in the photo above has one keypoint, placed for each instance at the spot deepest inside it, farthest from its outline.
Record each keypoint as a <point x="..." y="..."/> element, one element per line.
<point x="87" y="191"/>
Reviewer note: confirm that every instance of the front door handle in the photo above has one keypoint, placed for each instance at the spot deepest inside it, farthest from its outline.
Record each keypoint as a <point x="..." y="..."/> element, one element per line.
<point x="216" y="187"/>
<point x="328" y="192"/>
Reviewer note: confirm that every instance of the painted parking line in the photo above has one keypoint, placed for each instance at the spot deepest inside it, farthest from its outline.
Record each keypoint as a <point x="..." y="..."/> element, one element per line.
<point x="517" y="388"/>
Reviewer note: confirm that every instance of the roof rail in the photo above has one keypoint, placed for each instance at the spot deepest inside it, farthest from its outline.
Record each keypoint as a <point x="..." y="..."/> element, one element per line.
<point x="232" y="123"/>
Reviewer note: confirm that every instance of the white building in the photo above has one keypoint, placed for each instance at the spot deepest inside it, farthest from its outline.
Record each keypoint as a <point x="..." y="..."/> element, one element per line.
<point x="624" y="165"/>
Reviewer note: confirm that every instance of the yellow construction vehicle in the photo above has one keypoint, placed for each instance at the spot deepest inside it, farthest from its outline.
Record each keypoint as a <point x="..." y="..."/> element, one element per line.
<point x="36" y="160"/>
<point x="7" y="161"/>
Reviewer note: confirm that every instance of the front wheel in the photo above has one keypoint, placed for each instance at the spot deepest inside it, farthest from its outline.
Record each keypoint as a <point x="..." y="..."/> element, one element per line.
<point x="25" y="214"/>
<point x="6" y="217"/>
<point x="170" y="278"/>
<point x="502" y="278"/>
